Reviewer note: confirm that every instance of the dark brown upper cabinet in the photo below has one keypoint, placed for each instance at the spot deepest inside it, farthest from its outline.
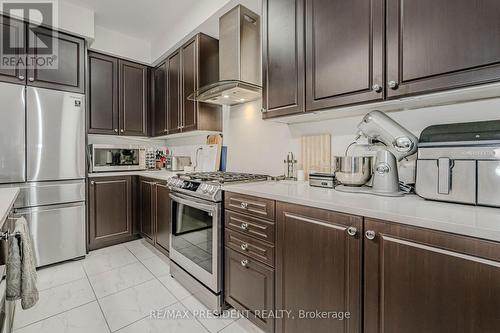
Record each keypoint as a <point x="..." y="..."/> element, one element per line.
<point x="318" y="268"/>
<point x="437" y="45"/>
<point x="133" y="98"/>
<point x="189" y="84"/>
<point x="103" y="94"/>
<point x="174" y="105"/>
<point x="199" y="67"/>
<point x="160" y="100"/>
<point x="344" y="52"/>
<point x="16" y="30"/>
<point x="192" y="66"/>
<point x="418" y="280"/>
<point x="110" y="211"/>
<point x="363" y="51"/>
<point x="283" y="57"/>
<point x="118" y="96"/>
<point x="69" y="73"/>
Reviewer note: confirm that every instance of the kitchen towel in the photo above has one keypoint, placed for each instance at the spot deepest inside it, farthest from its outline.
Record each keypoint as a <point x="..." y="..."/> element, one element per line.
<point x="21" y="268"/>
<point x="316" y="153"/>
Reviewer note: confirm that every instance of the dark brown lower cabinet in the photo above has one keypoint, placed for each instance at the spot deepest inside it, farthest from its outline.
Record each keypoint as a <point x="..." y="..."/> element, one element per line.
<point x="154" y="213"/>
<point x="417" y="280"/>
<point x="318" y="270"/>
<point x="146" y="208"/>
<point x="162" y="217"/>
<point x="110" y="211"/>
<point x="249" y="287"/>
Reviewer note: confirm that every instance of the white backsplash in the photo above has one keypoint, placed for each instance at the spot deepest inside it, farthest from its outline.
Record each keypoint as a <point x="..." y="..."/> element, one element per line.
<point x="255" y="145"/>
<point x="205" y="161"/>
<point x="259" y="146"/>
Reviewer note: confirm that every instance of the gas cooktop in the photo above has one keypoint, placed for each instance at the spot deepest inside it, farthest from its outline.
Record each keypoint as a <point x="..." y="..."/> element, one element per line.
<point x="222" y="177"/>
<point x="208" y="185"/>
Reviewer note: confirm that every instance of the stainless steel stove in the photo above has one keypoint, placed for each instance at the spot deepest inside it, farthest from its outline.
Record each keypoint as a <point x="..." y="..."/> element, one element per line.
<point x="208" y="185"/>
<point x="196" y="232"/>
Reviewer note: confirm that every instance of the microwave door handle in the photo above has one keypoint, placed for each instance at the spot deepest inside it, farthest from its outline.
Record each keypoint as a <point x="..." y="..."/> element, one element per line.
<point x="191" y="203"/>
<point x="444" y="175"/>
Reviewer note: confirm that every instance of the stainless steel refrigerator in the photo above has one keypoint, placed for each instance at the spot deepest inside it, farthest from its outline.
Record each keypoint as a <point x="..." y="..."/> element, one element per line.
<point x="42" y="151"/>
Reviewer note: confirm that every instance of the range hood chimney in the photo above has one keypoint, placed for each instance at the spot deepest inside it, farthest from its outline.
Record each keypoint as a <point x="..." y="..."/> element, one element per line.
<point x="239" y="60"/>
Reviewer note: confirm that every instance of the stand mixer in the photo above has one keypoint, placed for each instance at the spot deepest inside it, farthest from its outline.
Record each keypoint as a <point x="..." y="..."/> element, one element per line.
<point x="372" y="168"/>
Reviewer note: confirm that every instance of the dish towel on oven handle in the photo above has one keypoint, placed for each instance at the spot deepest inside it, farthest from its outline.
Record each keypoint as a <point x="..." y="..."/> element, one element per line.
<point x="21" y="268"/>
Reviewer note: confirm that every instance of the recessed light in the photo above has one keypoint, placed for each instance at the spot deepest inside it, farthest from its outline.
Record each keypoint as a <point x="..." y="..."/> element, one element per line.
<point x="226" y="96"/>
<point x="242" y="99"/>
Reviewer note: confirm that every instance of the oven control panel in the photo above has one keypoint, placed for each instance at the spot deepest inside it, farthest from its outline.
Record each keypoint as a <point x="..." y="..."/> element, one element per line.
<point x="204" y="190"/>
<point x="208" y="189"/>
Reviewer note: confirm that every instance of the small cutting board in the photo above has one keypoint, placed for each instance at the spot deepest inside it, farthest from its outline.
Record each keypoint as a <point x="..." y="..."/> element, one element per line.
<point x="316" y="153"/>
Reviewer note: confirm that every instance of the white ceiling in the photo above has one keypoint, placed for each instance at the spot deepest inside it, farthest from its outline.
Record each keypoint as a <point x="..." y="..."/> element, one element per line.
<point x="147" y="30"/>
<point x="143" y="19"/>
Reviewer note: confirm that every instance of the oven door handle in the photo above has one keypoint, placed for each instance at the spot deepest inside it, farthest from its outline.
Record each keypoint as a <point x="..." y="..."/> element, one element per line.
<point x="192" y="203"/>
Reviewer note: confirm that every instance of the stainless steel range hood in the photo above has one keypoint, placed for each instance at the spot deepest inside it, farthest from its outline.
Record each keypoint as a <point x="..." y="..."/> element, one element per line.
<point x="239" y="60"/>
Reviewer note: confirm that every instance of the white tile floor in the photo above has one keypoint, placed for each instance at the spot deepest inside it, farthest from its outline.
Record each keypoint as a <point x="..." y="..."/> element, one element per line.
<point x="114" y="290"/>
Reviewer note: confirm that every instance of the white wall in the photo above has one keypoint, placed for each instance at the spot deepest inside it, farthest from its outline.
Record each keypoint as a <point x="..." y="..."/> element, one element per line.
<point x="76" y="20"/>
<point x="255" y="145"/>
<point x="121" y="45"/>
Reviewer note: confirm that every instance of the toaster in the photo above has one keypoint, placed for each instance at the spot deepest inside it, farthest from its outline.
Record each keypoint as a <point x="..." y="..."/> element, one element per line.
<point x="460" y="163"/>
<point x="177" y="163"/>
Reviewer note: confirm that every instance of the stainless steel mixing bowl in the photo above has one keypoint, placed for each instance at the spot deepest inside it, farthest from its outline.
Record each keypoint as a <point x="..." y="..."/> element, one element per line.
<point x="353" y="170"/>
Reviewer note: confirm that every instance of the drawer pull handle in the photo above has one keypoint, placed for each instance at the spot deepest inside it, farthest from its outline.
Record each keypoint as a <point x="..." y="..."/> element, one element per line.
<point x="244" y="246"/>
<point x="244" y="226"/>
<point x="244" y="205"/>
<point x="244" y="263"/>
<point x="370" y="234"/>
<point x="352" y="231"/>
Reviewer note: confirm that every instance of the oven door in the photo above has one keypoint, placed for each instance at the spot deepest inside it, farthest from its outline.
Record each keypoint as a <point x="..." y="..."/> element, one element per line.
<point x="195" y="239"/>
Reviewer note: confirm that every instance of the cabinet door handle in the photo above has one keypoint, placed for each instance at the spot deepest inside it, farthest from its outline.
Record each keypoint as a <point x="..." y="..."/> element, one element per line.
<point x="92" y="182"/>
<point x="121" y="131"/>
<point x="377" y="88"/>
<point x="116" y="130"/>
<point x="393" y="85"/>
<point x="370" y="234"/>
<point x="352" y="231"/>
<point x="244" y="263"/>
<point x="244" y="226"/>
<point x="31" y="79"/>
<point x="21" y="77"/>
<point x="244" y="246"/>
<point x="244" y="205"/>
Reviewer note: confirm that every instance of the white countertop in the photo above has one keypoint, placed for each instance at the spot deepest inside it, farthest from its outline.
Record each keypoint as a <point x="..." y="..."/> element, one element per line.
<point x="480" y="222"/>
<point x="7" y="198"/>
<point x="156" y="174"/>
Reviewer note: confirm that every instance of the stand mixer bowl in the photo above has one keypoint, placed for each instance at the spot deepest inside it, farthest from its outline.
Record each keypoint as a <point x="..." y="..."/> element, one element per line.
<point x="353" y="170"/>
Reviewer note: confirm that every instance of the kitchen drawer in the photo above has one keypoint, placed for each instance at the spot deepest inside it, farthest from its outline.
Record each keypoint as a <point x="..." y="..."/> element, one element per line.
<point x="250" y="226"/>
<point x="251" y="247"/>
<point x="249" y="285"/>
<point x="258" y="207"/>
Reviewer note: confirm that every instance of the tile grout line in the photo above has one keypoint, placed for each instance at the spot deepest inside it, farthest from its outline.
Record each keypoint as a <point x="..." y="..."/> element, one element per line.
<point x="108" y="270"/>
<point x="97" y="300"/>
<point x="142" y="318"/>
<point x="179" y="300"/>
<point x="54" y="315"/>
<point x="65" y="283"/>
<point x="205" y="327"/>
